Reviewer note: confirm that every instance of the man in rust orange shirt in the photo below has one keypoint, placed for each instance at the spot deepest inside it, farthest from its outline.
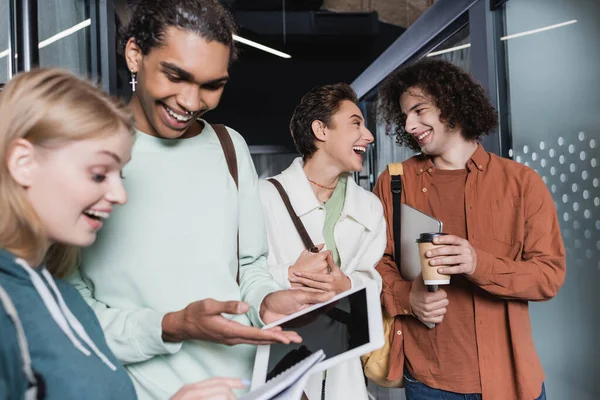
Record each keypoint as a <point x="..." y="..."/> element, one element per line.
<point x="503" y="250"/>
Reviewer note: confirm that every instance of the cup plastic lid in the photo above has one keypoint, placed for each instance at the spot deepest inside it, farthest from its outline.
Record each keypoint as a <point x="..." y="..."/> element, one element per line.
<point x="427" y="237"/>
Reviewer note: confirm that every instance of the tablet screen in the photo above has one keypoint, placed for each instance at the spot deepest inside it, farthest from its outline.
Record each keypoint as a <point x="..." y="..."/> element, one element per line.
<point x="335" y="328"/>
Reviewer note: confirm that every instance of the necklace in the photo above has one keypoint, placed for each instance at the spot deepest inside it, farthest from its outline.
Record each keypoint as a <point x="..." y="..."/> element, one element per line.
<point x="321" y="186"/>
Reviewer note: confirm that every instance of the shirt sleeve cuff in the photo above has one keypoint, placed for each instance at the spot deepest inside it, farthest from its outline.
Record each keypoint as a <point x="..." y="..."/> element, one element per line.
<point x="355" y="281"/>
<point x="280" y="273"/>
<point x="255" y="304"/>
<point x="148" y="337"/>
<point x="485" y="262"/>
<point x="401" y="306"/>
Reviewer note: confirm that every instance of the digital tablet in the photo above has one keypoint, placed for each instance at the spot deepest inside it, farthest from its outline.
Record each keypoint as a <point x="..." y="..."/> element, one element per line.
<point x="412" y="223"/>
<point x="345" y="327"/>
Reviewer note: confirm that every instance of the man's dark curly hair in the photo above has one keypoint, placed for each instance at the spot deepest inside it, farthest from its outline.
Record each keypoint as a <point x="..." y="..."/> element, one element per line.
<point x="459" y="98"/>
<point x="319" y="104"/>
<point x="151" y="18"/>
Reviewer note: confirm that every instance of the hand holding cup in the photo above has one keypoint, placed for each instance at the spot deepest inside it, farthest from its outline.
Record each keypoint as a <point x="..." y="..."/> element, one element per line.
<point x="429" y="270"/>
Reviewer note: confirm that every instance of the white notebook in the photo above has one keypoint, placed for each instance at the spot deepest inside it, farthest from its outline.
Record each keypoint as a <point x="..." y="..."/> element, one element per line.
<point x="287" y="385"/>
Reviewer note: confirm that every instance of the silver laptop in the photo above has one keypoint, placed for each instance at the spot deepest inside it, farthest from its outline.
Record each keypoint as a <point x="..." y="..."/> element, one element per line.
<point x="412" y="223"/>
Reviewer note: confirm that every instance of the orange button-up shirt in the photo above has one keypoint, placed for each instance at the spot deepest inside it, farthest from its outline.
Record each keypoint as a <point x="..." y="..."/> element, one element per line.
<point x="513" y="226"/>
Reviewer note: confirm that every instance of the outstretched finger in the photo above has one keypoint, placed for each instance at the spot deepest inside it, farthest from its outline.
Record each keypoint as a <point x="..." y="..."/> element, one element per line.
<point x="275" y="329"/>
<point x="291" y="335"/>
<point x="246" y="334"/>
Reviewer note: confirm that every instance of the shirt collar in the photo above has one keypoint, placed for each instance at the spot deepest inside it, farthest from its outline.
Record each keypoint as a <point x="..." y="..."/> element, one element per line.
<point x="303" y="198"/>
<point x="479" y="160"/>
<point x="357" y="205"/>
<point x="424" y="164"/>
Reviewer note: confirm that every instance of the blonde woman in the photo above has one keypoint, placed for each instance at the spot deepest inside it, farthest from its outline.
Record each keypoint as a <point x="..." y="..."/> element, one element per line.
<point x="63" y="144"/>
<point x="344" y="221"/>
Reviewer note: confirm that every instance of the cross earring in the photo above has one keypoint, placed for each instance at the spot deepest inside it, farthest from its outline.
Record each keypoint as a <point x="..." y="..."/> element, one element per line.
<point x="133" y="81"/>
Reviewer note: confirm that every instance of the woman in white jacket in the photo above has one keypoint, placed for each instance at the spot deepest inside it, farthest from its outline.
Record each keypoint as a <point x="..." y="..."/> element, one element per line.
<point x="344" y="220"/>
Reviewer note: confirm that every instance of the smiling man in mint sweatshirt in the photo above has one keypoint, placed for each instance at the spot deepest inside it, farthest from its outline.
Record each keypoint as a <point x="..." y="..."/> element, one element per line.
<point x="162" y="259"/>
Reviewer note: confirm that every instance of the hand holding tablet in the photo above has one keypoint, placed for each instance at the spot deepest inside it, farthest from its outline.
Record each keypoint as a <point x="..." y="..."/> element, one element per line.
<point x="345" y="327"/>
<point x="278" y="305"/>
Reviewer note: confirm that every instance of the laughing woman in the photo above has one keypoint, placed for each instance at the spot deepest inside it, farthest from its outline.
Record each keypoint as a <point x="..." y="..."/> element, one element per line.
<point x="342" y="219"/>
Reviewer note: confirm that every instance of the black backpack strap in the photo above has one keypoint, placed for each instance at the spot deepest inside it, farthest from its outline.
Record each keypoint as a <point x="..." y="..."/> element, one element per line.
<point x="230" y="157"/>
<point x="396" y="170"/>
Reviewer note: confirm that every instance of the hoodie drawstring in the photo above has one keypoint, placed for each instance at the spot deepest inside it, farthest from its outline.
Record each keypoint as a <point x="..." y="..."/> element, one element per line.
<point x="74" y="322"/>
<point x="58" y="316"/>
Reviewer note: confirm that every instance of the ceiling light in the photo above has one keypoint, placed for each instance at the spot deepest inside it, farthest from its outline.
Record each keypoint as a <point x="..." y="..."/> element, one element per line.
<point x="451" y="49"/>
<point x="546" y="28"/>
<point x="88" y="22"/>
<point x="260" y="46"/>
<point x="65" y="33"/>
<point x="516" y="35"/>
<point x="58" y="36"/>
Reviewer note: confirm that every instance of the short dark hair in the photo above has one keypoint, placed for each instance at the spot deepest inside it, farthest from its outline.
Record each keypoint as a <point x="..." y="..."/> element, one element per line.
<point x="151" y="18"/>
<point x="459" y="98"/>
<point x="319" y="104"/>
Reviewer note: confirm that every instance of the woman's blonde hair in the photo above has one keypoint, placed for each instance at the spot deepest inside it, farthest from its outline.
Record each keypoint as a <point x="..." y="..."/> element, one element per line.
<point x="47" y="107"/>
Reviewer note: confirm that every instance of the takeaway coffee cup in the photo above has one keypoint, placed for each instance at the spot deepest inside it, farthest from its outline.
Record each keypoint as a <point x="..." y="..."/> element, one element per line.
<point x="430" y="275"/>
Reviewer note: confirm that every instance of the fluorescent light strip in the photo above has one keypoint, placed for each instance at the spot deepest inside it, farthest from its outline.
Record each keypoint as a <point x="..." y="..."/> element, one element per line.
<point x="65" y="33"/>
<point x="451" y="49"/>
<point x="57" y="37"/>
<point x="88" y="22"/>
<point x="516" y="35"/>
<point x="260" y="46"/>
<point x="546" y="28"/>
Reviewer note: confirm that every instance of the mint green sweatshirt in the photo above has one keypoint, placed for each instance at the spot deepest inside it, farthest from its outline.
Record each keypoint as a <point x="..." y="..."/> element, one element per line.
<point x="174" y="243"/>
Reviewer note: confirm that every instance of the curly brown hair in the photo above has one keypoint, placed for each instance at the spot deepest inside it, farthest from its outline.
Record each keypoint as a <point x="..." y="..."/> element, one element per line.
<point x="319" y="104"/>
<point x="459" y="98"/>
<point x="151" y="18"/>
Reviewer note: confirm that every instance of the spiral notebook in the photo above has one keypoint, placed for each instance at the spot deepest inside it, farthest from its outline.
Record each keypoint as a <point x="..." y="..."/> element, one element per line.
<point x="289" y="384"/>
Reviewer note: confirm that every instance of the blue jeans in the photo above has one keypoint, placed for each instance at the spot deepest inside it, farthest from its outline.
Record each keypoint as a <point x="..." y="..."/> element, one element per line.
<point x="415" y="390"/>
